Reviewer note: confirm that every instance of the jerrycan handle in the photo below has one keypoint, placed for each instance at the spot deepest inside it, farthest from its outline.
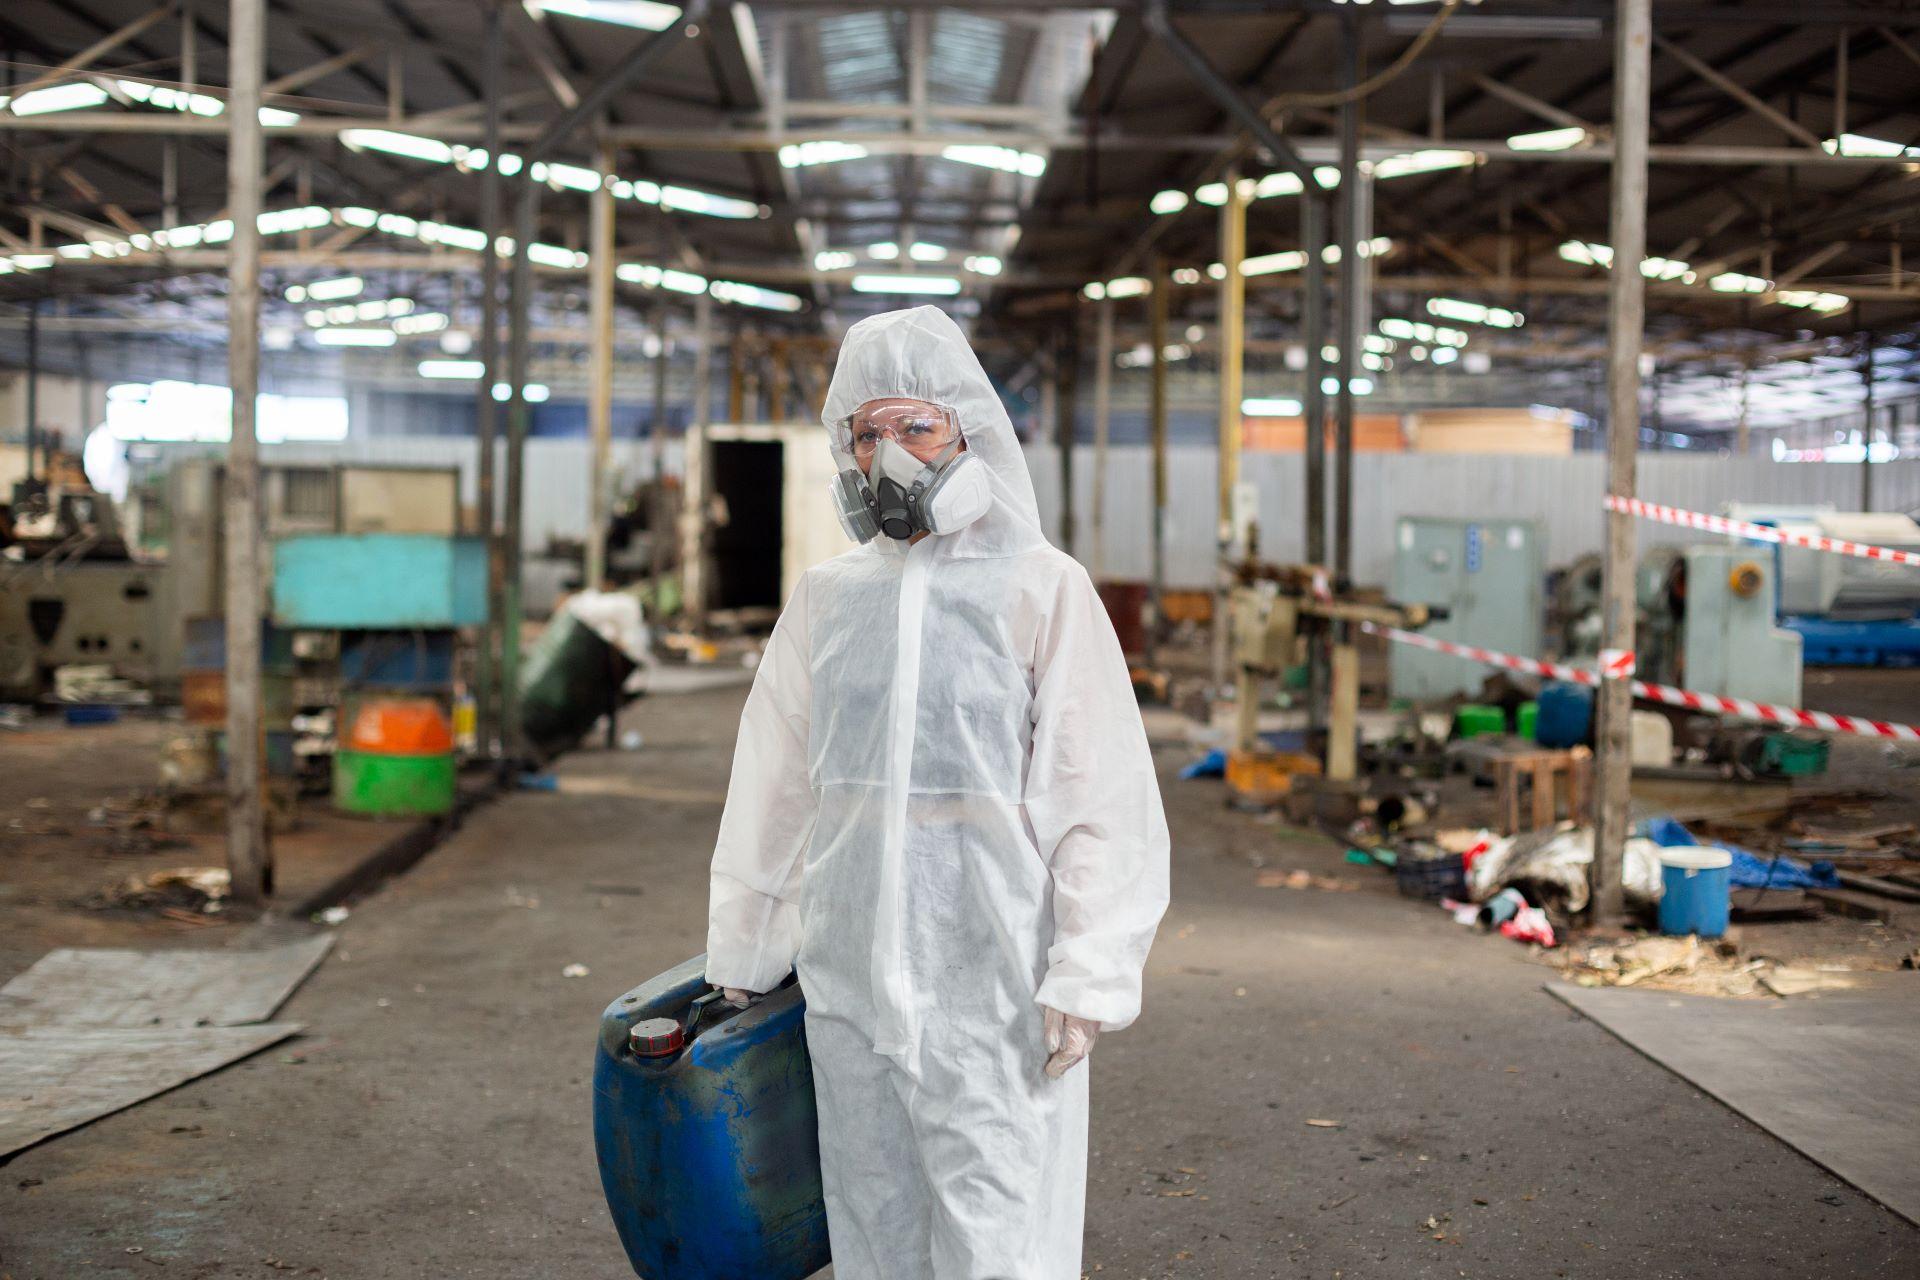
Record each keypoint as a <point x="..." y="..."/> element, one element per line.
<point x="698" y="1008"/>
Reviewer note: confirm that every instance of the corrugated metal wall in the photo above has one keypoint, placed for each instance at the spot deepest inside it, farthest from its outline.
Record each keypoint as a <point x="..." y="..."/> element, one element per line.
<point x="1563" y="494"/>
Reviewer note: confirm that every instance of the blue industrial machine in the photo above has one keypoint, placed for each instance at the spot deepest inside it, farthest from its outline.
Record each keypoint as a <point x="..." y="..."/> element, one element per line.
<point x="704" y="1122"/>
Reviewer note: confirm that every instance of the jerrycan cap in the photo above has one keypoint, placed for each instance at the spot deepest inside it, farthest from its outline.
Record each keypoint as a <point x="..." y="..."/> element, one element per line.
<point x="655" y="1038"/>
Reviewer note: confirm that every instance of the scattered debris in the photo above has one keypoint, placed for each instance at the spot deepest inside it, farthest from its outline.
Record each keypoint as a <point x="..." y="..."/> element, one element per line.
<point x="1327" y="1124"/>
<point x="1530" y="925"/>
<point x="1785" y="981"/>
<point x="1301" y="879"/>
<point x="1425" y="870"/>
<point x="575" y="971"/>
<point x="332" y="915"/>
<point x="1550" y="868"/>
<point x="194" y="889"/>
<point x="616" y="890"/>
<point x="1631" y="963"/>
<point x="1874" y="885"/>
<point x="1211" y="765"/>
<point x="1696" y="967"/>
<point x="94" y="684"/>
<point x="1500" y="908"/>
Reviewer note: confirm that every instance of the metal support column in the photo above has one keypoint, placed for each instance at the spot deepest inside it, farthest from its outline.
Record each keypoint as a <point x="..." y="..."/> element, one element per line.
<point x="1313" y="326"/>
<point x="1157" y="432"/>
<point x="1102" y="424"/>
<point x="1066" y="370"/>
<point x="658" y="438"/>
<point x="519" y="322"/>
<point x="1626" y="327"/>
<point x="249" y="860"/>
<point x="1866" y="428"/>
<point x="33" y="387"/>
<point x="1743" y="436"/>
<point x="600" y="398"/>
<point x="702" y="364"/>
<point x="1348" y="235"/>
<point x="1248" y="116"/>
<point x="486" y="409"/>
<point x="1233" y="310"/>
<point x="526" y="225"/>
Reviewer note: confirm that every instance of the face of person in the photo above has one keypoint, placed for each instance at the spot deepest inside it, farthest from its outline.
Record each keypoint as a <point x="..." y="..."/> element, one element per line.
<point x="923" y="429"/>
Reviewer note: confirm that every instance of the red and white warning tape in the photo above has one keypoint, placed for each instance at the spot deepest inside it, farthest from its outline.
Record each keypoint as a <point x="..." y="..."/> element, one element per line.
<point x="1763" y="532"/>
<point x="1739" y="708"/>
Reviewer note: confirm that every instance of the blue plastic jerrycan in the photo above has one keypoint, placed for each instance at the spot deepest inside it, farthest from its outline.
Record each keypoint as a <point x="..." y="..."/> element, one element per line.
<point x="704" y="1122"/>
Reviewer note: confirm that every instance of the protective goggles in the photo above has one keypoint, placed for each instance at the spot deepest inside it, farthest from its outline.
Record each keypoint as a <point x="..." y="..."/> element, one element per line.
<point x="925" y="431"/>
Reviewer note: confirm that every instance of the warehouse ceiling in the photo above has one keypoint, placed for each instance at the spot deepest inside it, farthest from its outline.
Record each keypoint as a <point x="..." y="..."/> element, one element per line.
<point x="797" y="160"/>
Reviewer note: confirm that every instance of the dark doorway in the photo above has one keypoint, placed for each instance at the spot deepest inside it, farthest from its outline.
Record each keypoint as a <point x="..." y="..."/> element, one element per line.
<point x="748" y="479"/>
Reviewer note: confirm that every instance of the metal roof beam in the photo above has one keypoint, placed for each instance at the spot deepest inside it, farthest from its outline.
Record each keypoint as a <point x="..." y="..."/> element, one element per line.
<point x="97" y="50"/>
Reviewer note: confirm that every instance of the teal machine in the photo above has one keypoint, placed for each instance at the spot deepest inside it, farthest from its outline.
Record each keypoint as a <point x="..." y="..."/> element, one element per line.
<point x="706" y="1131"/>
<point x="396" y="603"/>
<point x="1483" y="581"/>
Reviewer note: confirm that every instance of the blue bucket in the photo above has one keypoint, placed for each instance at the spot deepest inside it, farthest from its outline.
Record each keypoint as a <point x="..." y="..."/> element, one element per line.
<point x="1694" y="886"/>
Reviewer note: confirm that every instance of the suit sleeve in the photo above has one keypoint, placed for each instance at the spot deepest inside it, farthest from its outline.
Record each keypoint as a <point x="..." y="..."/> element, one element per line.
<point x="1094" y="803"/>
<point x="753" y="913"/>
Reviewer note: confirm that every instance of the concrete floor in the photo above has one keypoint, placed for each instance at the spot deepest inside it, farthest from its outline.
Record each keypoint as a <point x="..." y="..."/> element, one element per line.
<point x="434" y="1121"/>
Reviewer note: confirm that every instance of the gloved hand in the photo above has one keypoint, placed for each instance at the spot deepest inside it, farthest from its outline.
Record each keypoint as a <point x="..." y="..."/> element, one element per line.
<point x="739" y="997"/>
<point x="1069" y="1040"/>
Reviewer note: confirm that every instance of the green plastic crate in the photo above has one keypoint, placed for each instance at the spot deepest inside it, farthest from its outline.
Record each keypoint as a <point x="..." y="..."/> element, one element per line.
<point x="1474" y="719"/>
<point x="1793" y="755"/>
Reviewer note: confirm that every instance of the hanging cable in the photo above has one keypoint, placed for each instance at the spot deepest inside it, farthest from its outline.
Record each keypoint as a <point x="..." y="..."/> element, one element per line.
<point x="1366" y="88"/>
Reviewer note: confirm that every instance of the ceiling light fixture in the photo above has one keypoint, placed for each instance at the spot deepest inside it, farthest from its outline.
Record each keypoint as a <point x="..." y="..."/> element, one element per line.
<point x="945" y="286"/>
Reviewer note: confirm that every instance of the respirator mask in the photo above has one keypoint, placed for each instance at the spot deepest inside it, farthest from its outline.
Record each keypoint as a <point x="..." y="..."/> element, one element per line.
<point x="918" y="478"/>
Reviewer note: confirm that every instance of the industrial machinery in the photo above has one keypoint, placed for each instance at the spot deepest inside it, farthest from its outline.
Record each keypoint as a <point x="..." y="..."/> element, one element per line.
<point x="1729" y="644"/>
<point x="1487" y="576"/>
<point x="1704" y="619"/>
<point x="1850" y="611"/>
<point x="1279" y="612"/>
<point x="396" y="603"/>
<point x="71" y="595"/>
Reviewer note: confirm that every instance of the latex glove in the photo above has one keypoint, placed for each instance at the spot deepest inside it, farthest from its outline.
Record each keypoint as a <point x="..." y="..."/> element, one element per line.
<point x="739" y="997"/>
<point x="1069" y="1040"/>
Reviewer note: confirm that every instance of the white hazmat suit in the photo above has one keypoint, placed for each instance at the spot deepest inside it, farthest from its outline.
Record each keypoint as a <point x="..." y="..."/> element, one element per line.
<point x="944" y="814"/>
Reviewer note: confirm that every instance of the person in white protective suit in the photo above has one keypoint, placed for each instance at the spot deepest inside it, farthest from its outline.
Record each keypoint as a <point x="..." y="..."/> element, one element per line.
<point x="943" y="814"/>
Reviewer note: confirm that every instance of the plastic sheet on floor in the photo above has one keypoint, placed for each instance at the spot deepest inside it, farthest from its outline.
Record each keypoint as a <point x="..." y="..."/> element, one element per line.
<point x="107" y="987"/>
<point x="86" y="1032"/>
<point x="1752" y="870"/>
<point x="58" y="1078"/>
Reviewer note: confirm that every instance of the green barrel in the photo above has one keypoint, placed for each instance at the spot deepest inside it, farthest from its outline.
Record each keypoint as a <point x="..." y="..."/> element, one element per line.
<point x="571" y="678"/>
<point x="395" y="759"/>
<point x="392" y="786"/>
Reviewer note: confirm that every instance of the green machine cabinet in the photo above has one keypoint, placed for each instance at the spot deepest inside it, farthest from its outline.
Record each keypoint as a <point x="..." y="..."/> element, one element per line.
<point x="1488" y="575"/>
